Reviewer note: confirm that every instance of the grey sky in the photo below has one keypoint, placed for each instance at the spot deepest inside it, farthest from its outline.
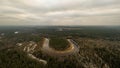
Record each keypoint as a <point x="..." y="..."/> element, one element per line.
<point x="59" y="12"/>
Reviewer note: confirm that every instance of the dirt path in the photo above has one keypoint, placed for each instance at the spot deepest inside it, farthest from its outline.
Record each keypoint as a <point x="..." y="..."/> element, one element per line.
<point x="71" y="50"/>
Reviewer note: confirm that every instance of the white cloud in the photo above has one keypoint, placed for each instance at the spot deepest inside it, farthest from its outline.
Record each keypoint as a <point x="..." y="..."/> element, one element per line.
<point x="60" y="12"/>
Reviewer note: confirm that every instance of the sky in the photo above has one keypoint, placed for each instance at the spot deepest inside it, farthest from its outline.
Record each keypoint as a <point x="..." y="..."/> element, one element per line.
<point x="59" y="12"/>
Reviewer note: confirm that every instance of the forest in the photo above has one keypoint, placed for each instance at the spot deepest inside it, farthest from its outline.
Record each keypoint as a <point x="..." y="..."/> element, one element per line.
<point x="59" y="43"/>
<point x="99" y="47"/>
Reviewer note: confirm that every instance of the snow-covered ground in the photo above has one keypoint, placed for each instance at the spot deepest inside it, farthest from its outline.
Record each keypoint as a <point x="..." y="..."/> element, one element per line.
<point x="30" y="48"/>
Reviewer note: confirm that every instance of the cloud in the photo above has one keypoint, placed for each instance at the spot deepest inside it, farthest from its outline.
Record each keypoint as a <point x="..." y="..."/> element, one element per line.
<point x="60" y="12"/>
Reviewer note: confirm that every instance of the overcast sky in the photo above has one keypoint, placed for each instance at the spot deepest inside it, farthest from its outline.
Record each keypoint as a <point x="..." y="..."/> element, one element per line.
<point x="59" y="12"/>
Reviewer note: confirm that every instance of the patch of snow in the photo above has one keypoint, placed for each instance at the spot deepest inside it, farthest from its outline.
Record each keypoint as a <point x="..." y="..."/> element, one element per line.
<point x="19" y="44"/>
<point x="24" y="48"/>
<point x="16" y="32"/>
<point x="30" y="47"/>
<point x="40" y="60"/>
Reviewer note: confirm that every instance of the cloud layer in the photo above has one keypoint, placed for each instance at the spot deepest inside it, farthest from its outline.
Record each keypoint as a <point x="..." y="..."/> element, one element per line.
<point x="59" y="12"/>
